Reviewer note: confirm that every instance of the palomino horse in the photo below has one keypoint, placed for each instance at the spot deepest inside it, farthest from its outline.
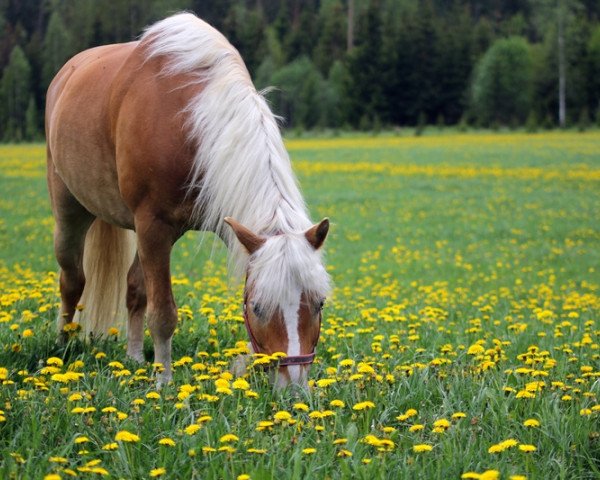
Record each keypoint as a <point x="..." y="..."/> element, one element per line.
<point x="164" y="135"/>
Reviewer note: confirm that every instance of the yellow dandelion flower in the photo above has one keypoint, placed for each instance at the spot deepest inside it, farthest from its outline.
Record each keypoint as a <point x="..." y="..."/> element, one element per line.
<point x="243" y="476"/>
<point x="282" y="416"/>
<point x="325" y="382"/>
<point x="416" y="427"/>
<point x="125" y="436"/>
<point x="301" y="406"/>
<point x="240" y="384"/>
<point x="363" y="405"/>
<point x="110" y="446"/>
<point x="169" y="442"/>
<point x="264" y="425"/>
<point x="337" y="403"/>
<point x="52" y="476"/>
<point x="531" y="422"/>
<point x="309" y="451"/>
<point x="157" y="472"/>
<point x="422" y="447"/>
<point x="527" y="448"/>
<point x="81" y="439"/>
<point x="490" y="475"/>
<point x="258" y="451"/>
<point x="192" y="429"/>
<point x="442" y="423"/>
<point x="229" y="437"/>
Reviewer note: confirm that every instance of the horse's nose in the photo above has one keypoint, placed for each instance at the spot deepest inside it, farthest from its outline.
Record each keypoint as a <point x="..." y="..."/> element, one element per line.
<point x="293" y="375"/>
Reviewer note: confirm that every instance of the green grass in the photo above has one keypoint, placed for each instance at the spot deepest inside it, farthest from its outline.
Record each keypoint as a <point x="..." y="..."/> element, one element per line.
<point x="439" y="245"/>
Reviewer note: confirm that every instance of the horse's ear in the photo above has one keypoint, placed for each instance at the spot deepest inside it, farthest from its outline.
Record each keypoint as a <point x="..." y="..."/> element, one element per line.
<point x="317" y="233"/>
<point x="248" y="239"/>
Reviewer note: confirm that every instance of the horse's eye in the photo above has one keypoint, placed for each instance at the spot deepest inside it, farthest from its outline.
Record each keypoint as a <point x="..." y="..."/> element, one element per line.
<point x="321" y="304"/>
<point x="256" y="309"/>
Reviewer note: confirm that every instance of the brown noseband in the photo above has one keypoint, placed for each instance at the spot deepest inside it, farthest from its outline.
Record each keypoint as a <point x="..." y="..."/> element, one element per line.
<point x="306" y="359"/>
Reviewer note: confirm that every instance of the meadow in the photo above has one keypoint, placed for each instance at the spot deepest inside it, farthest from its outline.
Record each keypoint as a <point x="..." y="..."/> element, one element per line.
<point x="461" y="339"/>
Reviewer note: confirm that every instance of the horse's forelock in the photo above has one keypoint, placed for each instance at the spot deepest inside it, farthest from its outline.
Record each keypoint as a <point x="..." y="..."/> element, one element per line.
<point x="283" y="268"/>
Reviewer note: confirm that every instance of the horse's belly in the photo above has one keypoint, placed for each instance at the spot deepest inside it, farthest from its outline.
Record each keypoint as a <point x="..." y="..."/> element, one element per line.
<point x="94" y="185"/>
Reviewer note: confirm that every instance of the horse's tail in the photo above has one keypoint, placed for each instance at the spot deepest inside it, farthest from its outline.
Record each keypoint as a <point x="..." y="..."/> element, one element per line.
<point x="108" y="254"/>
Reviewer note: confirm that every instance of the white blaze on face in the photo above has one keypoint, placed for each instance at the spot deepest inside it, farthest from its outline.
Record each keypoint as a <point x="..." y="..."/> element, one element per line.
<point x="292" y="323"/>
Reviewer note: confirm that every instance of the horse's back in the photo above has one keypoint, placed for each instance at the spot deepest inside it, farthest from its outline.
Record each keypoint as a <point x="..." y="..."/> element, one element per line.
<point x="115" y="132"/>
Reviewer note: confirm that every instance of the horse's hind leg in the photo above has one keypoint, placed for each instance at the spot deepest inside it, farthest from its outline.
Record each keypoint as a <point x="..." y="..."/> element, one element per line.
<point x="136" y="307"/>
<point x="72" y="222"/>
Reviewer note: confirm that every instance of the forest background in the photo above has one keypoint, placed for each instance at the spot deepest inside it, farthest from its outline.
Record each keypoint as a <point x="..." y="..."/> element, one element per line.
<point x="343" y="64"/>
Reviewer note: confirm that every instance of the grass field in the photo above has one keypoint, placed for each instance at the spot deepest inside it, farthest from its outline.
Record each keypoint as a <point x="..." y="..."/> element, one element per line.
<point x="462" y="339"/>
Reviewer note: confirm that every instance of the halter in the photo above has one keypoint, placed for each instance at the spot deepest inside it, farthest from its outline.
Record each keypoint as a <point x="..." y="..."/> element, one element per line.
<point x="306" y="359"/>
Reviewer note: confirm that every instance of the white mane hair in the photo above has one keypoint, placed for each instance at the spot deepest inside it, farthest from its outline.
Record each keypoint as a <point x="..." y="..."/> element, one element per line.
<point x="241" y="169"/>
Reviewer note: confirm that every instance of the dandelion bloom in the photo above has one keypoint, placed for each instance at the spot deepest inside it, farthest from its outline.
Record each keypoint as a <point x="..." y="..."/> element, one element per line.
<point x="309" y="451"/>
<point x="531" y="422"/>
<point x="240" y="384"/>
<point x="110" y="446"/>
<point x="303" y="407"/>
<point x="344" y="453"/>
<point x="416" y="428"/>
<point x="527" y="448"/>
<point x="229" y="437"/>
<point x="125" y="436"/>
<point x="337" y="403"/>
<point x="325" y="382"/>
<point x="282" y="416"/>
<point x="52" y="476"/>
<point x="422" y="447"/>
<point x="169" y="442"/>
<point x="243" y="476"/>
<point x="363" y="405"/>
<point x="441" y="423"/>
<point x="157" y="472"/>
<point x="192" y="429"/>
<point x="490" y="475"/>
<point x="259" y="451"/>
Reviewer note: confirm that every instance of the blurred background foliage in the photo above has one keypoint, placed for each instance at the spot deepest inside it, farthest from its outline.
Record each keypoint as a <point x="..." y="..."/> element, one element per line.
<point x="343" y="64"/>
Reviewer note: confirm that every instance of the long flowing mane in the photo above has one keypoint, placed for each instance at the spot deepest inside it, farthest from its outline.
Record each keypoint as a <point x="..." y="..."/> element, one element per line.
<point x="241" y="168"/>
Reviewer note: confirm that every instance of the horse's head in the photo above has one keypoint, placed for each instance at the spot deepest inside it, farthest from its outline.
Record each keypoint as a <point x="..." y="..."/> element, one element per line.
<point x="286" y="286"/>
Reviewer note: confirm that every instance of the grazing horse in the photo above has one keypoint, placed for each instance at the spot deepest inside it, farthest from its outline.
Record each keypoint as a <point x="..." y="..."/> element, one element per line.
<point x="149" y="139"/>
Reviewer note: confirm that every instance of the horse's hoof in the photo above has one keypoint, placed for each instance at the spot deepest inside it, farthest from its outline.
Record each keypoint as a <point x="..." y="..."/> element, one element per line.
<point x="137" y="356"/>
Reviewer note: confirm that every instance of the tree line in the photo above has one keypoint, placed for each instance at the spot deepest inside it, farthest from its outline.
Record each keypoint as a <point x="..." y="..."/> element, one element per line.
<point x="360" y="64"/>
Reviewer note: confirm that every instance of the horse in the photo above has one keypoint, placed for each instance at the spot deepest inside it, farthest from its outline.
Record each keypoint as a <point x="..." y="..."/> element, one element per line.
<point x="152" y="138"/>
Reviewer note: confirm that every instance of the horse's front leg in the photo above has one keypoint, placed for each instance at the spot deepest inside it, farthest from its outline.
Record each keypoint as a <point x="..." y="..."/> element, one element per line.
<point x="155" y="241"/>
